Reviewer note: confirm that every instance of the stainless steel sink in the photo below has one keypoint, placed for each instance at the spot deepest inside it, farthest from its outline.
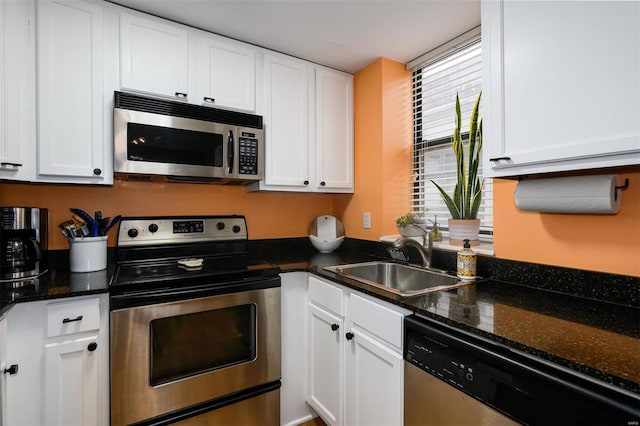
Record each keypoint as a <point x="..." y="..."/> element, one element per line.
<point x="397" y="278"/>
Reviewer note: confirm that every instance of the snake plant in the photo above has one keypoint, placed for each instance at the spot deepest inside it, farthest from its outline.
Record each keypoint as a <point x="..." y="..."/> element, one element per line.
<point x="464" y="203"/>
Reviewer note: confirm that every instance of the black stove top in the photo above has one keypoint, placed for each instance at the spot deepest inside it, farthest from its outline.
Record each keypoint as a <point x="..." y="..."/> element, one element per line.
<point x="151" y="250"/>
<point x="169" y="271"/>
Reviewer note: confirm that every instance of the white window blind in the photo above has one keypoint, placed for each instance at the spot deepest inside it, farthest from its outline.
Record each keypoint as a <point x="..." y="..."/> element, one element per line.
<point x="435" y="84"/>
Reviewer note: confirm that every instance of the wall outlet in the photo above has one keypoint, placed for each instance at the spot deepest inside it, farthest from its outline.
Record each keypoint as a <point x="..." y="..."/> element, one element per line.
<point x="366" y="220"/>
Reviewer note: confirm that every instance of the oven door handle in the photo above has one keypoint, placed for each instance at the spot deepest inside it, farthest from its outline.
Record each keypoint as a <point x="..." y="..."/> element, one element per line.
<point x="166" y="294"/>
<point x="162" y="293"/>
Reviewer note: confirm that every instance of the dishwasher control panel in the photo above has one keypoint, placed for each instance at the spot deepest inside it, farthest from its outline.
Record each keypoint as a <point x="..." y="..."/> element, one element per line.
<point x="443" y="361"/>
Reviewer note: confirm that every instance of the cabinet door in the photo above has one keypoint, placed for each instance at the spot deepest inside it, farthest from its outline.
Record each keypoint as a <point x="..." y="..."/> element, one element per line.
<point x="562" y="83"/>
<point x="286" y="122"/>
<point x="334" y="131"/>
<point x="71" y="140"/>
<point x="293" y="407"/>
<point x="374" y="383"/>
<point x="326" y="364"/>
<point x="227" y="74"/>
<point x="17" y="100"/>
<point x="71" y="382"/>
<point x="153" y="56"/>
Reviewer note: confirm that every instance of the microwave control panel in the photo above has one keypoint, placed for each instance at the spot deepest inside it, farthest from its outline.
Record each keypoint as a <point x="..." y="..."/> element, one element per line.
<point x="248" y="159"/>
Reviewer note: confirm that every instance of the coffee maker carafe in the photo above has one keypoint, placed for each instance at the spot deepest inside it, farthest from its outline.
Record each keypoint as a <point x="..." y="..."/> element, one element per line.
<point x="23" y="237"/>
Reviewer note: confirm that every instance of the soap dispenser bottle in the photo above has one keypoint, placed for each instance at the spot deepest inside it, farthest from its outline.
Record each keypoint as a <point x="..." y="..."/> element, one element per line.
<point x="436" y="235"/>
<point x="466" y="262"/>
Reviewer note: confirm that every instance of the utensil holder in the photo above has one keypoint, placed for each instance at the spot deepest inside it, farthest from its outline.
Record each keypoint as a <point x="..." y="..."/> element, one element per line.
<point x="87" y="254"/>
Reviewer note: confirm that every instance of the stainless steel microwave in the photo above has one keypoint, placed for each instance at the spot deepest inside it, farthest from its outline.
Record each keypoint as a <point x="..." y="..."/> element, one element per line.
<point x="157" y="139"/>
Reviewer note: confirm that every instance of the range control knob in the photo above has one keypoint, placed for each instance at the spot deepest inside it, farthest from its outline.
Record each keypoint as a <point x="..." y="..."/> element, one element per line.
<point x="236" y="229"/>
<point x="220" y="226"/>
<point x="132" y="233"/>
<point x="153" y="228"/>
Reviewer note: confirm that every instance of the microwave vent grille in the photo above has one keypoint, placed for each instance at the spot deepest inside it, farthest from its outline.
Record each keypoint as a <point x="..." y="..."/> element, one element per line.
<point x="135" y="102"/>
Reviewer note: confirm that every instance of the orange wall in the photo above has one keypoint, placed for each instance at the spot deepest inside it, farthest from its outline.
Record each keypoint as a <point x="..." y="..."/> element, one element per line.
<point x="269" y="215"/>
<point x="383" y="126"/>
<point x="607" y="243"/>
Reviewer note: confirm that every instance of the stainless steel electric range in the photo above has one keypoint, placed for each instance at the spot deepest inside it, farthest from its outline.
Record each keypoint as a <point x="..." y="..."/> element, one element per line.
<point x="195" y="324"/>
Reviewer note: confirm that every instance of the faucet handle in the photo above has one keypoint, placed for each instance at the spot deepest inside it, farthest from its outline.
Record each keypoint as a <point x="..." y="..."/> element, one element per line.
<point x="397" y="254"/>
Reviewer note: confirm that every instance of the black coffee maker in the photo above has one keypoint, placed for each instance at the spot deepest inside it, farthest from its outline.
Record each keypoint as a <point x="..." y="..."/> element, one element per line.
<point x="23" y="237"/>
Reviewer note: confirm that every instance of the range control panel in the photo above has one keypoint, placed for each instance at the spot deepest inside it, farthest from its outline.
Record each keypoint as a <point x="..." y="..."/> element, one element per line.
<point x="137" y="231"/>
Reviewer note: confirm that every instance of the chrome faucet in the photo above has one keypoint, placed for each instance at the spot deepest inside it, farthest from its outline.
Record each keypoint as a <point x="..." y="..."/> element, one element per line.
<point x="425" y="249"/>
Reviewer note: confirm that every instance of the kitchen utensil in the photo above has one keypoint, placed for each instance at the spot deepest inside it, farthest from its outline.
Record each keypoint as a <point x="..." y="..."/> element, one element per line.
<point x="113" y="222"/>
<point x="89" y="220"/>
<point x="103" y="224"/>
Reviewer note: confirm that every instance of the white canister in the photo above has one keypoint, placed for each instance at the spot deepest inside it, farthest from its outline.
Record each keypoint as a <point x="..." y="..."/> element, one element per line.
<point x="87" y="254"/>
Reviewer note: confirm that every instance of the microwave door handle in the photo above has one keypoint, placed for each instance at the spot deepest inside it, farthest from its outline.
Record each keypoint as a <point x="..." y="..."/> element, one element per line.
<point x="230" y="153"/>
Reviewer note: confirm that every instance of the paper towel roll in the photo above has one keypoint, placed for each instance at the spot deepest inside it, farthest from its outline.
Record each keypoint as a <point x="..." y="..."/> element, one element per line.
<point x="576" y="194"/>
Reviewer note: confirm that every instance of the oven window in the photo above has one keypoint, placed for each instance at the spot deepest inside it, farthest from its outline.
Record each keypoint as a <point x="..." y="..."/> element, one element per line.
<point x="187" y="345"/>
<point x="167" y="145"/>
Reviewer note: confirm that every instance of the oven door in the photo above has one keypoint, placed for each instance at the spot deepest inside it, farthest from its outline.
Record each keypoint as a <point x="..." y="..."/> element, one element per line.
<point x="156" y="144"/>
<point x="170" y="356"/>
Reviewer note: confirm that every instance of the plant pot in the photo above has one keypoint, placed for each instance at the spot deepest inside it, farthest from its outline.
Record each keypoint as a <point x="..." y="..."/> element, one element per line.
<point x="410" y="231"/>
<point x="464" y="229"/>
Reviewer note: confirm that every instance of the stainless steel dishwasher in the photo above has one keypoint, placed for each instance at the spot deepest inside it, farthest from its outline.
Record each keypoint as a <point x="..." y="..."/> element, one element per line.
<point x="455" y="378"/>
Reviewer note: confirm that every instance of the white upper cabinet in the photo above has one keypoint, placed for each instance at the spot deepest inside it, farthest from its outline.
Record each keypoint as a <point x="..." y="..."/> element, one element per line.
<point x="73" y="138"/>
<point x="562" y="85"/>
<point x="166" y="59"/>
<point x="154" y="56"/>
<point x="286" y="116"/>
<point x="17" y="91"/>
<point x="334" y="130"/>
<point x="227" y="74"/>
<point x="308" y="117"/>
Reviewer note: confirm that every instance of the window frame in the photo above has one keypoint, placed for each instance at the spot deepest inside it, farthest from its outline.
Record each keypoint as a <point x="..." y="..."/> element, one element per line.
<point x="420" y="178"/>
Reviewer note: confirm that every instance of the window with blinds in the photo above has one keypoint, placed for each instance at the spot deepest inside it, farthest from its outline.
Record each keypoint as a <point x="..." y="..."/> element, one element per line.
<point x="436" y="81"/>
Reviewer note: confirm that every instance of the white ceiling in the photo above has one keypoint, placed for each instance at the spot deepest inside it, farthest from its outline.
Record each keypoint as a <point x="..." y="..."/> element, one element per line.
<point x="343" y="34"/>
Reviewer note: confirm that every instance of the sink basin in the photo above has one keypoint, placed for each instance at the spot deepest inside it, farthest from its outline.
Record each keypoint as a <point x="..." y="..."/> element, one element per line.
<point x="397" y="278"/>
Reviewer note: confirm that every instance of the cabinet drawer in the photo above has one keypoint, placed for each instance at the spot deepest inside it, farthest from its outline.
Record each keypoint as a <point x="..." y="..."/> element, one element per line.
<point x="378" y="320"/>
<point x="326" y="295"/>
<point x="73" y="317"/>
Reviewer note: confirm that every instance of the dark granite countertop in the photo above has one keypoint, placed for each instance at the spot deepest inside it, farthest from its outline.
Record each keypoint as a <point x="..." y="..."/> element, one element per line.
<point x="599" y="337"/>
<point x="55" y="282"/>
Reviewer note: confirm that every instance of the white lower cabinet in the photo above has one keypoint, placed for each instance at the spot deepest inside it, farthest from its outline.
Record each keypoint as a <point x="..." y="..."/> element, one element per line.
<point x="356" y="371"/>
<point x="71" y="382"/>
<point x="326" y="364"/>
<point x="294" y="409"/>
<point x="61" y="352"/>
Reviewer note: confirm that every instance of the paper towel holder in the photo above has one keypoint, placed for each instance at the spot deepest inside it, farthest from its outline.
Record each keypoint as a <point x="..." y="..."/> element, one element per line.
<point x="621" y="188"/>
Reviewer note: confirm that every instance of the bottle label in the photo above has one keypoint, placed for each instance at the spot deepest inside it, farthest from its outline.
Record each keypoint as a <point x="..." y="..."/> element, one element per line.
<point x="466" y="266"/>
